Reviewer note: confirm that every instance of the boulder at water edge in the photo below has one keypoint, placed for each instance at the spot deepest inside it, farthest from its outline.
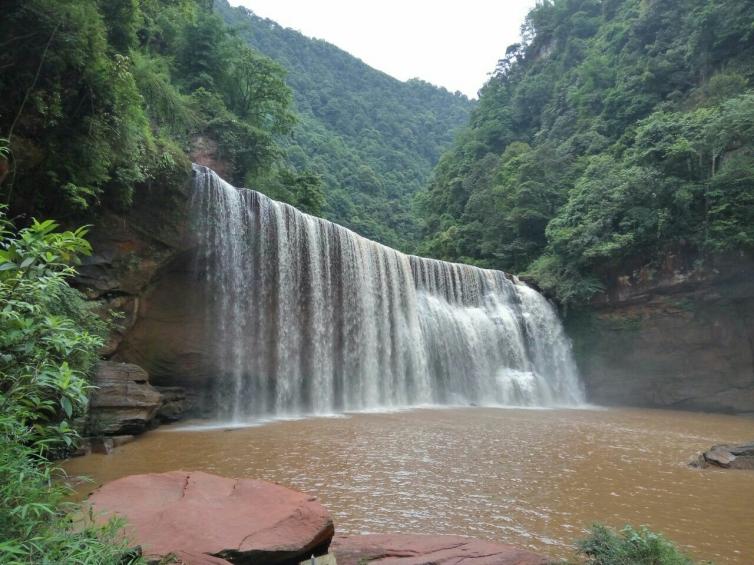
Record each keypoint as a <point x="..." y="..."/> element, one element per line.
<point x="123" y="401"/>
<point x="409" y="549"/>
<point x="206" y="519"/>
<point x="727" y="457"/>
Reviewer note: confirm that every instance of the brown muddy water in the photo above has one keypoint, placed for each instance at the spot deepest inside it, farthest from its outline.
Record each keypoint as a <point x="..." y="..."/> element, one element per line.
<point x="535" y="478"/>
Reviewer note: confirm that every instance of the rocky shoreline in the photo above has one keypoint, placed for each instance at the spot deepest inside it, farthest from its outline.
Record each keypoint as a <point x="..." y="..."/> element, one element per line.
<point x="123" y="404"/>
<point x="198" y="518"/>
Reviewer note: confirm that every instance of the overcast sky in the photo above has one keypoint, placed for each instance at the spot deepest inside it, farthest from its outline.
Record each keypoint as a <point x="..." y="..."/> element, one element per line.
<point x="450" y="43"/>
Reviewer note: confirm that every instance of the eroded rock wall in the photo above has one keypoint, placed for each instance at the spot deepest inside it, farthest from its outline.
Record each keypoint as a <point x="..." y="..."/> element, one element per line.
<point x="132" y="251"/>
<point x="168" y="337"/>
<point x="678" y="336"/>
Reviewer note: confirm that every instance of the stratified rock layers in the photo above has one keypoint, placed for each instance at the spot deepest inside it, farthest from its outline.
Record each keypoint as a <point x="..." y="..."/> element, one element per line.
<point x="677" y="337"/>
<point x="123" y="401"/>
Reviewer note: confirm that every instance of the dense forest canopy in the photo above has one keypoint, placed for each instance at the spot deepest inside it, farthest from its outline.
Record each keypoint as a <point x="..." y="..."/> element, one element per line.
<point x="99" y="98"/>
<point x="616" y="131"/>
<point x="371" y="138"/>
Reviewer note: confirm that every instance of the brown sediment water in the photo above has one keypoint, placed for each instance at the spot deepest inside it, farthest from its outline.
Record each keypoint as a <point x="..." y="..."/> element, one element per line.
<point x="535" y="478"/>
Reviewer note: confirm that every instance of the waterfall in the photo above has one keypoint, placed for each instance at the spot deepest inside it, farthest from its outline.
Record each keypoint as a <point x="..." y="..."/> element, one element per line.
<point x="306" y="317"/>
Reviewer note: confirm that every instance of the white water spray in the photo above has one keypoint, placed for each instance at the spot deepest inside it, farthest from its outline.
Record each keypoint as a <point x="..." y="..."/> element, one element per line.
<point x="308" y="317"/>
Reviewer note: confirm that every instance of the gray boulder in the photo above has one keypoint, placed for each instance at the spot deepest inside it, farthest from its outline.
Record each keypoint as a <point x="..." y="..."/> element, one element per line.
<point x="727" y="457"/>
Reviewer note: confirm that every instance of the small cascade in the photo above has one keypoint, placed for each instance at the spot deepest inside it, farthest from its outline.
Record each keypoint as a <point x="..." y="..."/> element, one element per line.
<point x="307" y="317"/>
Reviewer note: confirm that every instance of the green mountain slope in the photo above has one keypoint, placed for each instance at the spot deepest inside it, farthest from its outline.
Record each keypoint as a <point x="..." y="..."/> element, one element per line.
<point x="616" y="132"/>
<point x="100" y="100"/>
<point x="373" y="139"/>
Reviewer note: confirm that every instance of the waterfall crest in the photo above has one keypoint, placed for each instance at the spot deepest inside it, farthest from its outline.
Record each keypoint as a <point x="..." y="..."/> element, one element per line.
<point x="307" y="317"/>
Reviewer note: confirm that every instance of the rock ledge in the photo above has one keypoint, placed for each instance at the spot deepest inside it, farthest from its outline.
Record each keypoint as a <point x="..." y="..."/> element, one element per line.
<point x="411" y="549"/>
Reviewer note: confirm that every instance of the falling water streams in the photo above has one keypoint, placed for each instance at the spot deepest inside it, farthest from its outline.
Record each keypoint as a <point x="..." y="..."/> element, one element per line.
<point x="311" y="318"/>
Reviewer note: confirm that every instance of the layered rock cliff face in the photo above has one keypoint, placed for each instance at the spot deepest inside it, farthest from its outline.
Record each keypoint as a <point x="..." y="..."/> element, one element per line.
<point x="168" y="338"/>
<point x="137" y="272"/>
<point x="679" y="336"/>
<point x="132" y="252"/>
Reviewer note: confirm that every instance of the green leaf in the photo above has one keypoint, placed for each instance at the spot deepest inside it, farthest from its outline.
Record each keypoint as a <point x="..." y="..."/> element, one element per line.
<point x="65" y="402"/>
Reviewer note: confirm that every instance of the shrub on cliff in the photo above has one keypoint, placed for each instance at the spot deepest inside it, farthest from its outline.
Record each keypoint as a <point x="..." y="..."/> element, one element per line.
<point x="48" y="344"/>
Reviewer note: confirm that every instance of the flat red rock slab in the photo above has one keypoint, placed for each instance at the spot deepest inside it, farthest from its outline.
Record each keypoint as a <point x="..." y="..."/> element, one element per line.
<point x="409" y="549"/>
<point x="207" y="519"/>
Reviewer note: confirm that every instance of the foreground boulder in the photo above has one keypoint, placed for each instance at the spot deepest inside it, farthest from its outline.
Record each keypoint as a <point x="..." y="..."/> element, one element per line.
<point x="727" y="457"/>
<point x="409" y="549"/>
<point x="123" y="401"/>
<point x="205" y="519"/>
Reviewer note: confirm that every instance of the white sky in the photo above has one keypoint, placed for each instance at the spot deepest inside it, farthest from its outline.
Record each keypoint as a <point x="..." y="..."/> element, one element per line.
<point x="449" y="43"/>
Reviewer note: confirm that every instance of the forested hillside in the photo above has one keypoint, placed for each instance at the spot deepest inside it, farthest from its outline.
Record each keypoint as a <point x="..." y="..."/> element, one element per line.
<point x="101" y="98"/>
<point x="371" y="138"/>
<point x="615" y="132"/>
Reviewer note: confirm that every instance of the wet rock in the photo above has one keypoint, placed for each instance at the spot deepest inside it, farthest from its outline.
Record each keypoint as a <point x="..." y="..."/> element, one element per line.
<point x="125" y="259"/>
<point x="169" y="338"/>
<point x="176" y="403"/>
<point x="409" y="549"/>
<point x="124" y="402"/>
<point x="676" y="335"/>
<point x="122" y="440"/>
<point x="727" y="457"/>
<point x="208" y="519"/>
<point x="83" y="448"/>
<point x="103" y="445"/>
<point x="132" y="250"/>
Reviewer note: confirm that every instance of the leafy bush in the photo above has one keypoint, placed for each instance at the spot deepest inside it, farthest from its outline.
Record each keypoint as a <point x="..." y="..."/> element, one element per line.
<point x="37" y="524"/>
<point x="48" y="339"/>
<point x="48" y="344"/>
<point x="604" y="546"/>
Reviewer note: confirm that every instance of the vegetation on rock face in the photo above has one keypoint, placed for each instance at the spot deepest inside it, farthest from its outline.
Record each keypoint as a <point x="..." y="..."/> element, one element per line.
<point x="48" y="344"/>
<point x="372" y="139"/>
<point x="616" y="130"/>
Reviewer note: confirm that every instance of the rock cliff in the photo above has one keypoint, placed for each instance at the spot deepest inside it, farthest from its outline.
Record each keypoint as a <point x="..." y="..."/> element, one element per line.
<point x="140" y="270"/>
<point x="678" y="336"/>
